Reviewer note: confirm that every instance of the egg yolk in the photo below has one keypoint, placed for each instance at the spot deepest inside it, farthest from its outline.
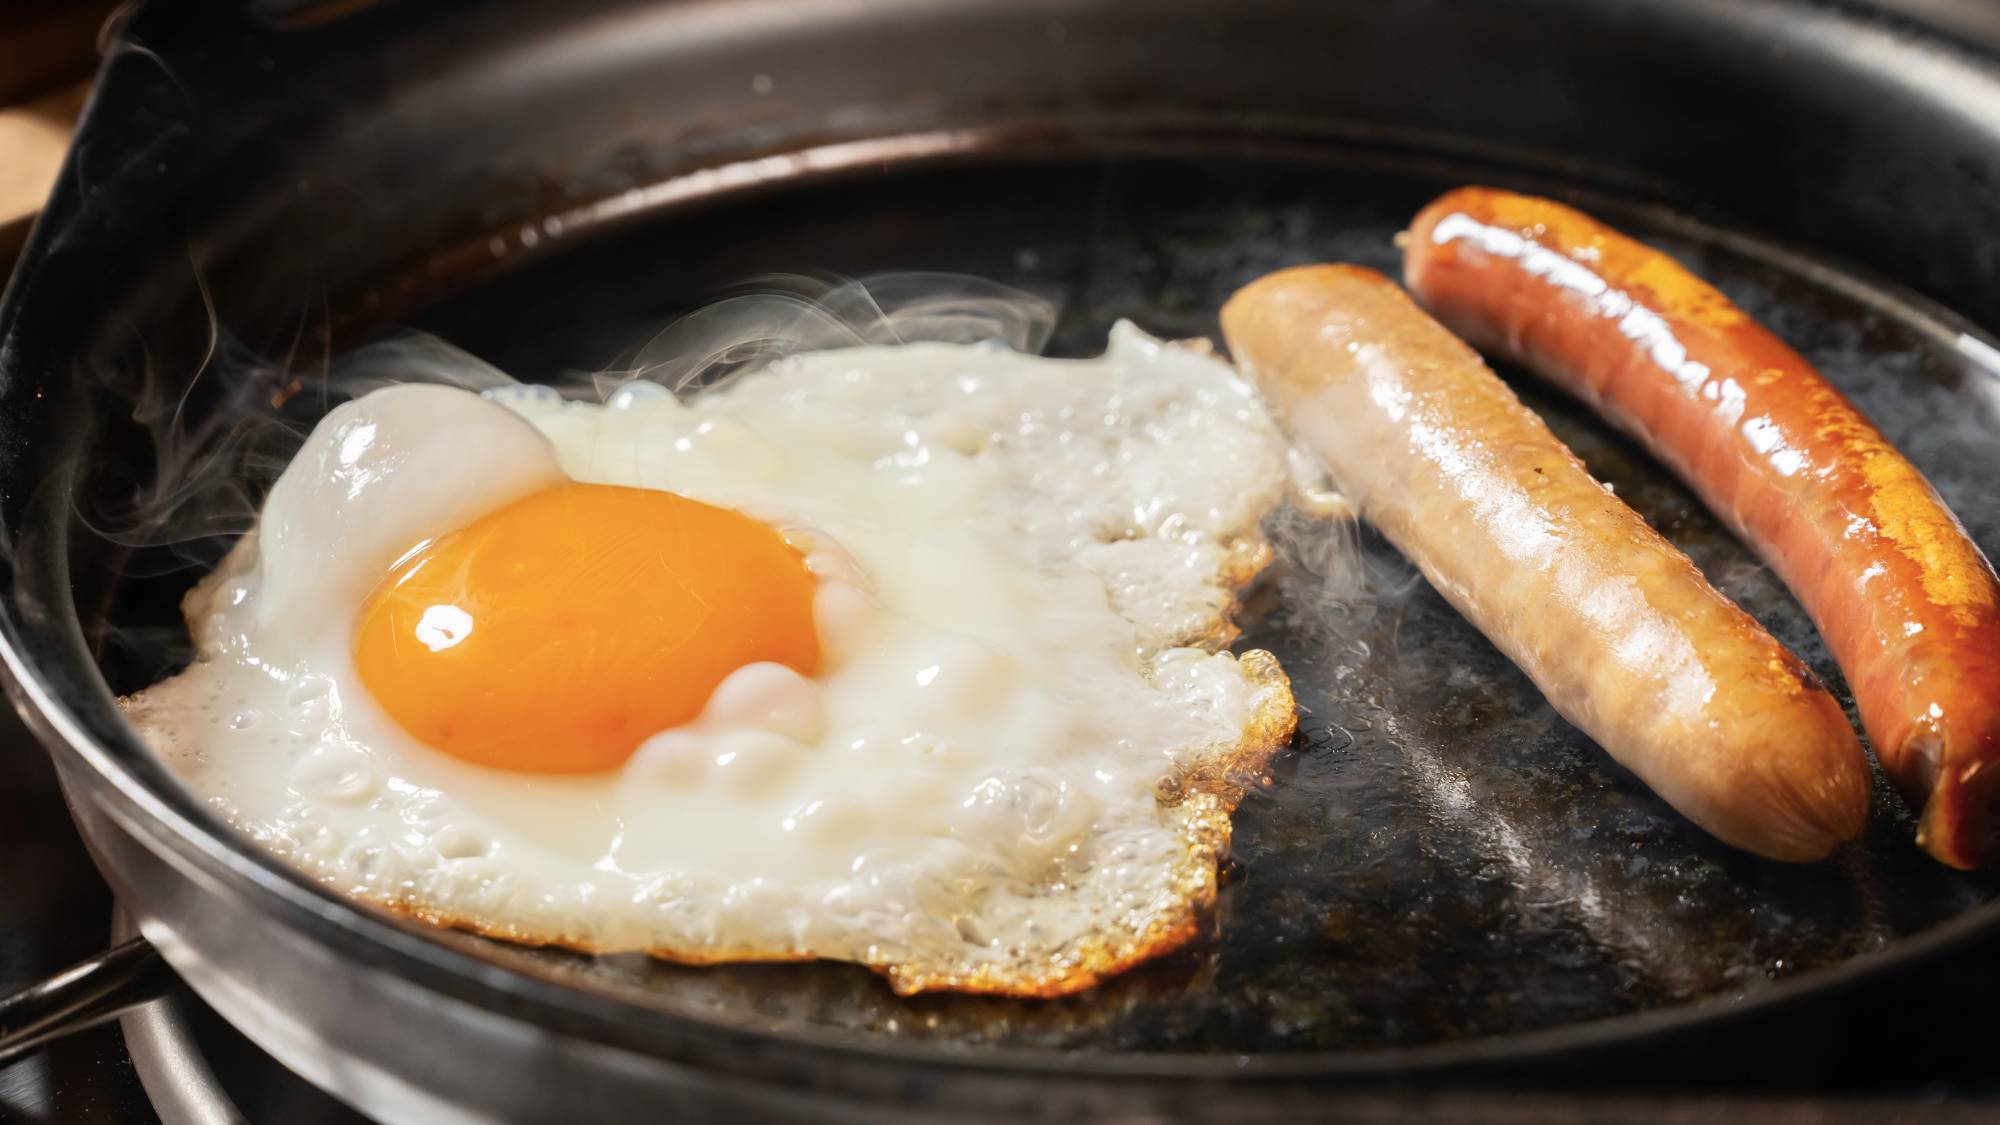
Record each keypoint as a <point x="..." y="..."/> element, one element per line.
<point x="558" y="633"/>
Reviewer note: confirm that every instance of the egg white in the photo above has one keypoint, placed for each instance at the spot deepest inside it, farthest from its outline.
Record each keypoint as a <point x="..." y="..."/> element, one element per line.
<point x="1013" y="773"/>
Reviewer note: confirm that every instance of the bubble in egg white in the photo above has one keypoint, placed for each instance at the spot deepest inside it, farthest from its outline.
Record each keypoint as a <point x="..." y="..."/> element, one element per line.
<point x="455" y="842"/>
<point x="636" y="393"/>
<point x="755" y="763"/>
<point x="770" y="697"/>
<point x="332" y="772"/>
<point x="671" y="758"/>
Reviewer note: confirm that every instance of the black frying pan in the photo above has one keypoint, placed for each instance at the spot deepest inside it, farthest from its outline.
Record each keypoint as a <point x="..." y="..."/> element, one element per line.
<point x="1444" y="880"/>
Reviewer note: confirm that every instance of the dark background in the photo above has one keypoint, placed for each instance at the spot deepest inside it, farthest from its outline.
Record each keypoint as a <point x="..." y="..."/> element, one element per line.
<point x="54" y="909"/>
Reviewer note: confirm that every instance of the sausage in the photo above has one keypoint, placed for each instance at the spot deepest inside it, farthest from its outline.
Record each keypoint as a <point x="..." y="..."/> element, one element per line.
<point x="1908" y="605"/>
<point x="1614" y="624"/>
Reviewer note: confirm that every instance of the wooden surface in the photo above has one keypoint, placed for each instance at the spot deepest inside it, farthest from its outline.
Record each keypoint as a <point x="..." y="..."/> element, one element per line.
<point x="33" y="137"/>
<point x="47" y="44"/>
<point x="47" y="51"/>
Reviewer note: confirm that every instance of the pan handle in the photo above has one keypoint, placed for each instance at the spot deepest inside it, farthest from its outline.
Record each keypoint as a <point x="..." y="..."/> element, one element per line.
<point x="81" y="996"/>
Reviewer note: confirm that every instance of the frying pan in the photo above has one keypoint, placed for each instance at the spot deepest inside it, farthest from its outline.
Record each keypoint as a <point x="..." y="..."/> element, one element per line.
<point x="1443" y="883"/>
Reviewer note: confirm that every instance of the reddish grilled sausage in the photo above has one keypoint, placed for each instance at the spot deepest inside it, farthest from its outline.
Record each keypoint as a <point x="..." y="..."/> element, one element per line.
<point x="1908" y="605"/>
<point x="1614" y="624"/>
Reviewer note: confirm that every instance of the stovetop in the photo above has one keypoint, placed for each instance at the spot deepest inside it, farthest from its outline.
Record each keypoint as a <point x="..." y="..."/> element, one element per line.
<point x="55" y="910"/>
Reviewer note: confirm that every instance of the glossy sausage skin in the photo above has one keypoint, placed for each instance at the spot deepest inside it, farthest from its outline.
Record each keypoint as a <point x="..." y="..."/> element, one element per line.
<point x="1908" y="605"/>
<point x="1613" y="623"/>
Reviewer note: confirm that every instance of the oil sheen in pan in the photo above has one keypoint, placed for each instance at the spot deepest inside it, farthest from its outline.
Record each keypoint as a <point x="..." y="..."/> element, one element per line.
<point x="1439" y="857"/>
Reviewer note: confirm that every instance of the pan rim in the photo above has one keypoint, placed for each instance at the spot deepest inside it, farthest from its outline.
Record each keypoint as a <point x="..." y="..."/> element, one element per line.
<point x="172" y="824"/>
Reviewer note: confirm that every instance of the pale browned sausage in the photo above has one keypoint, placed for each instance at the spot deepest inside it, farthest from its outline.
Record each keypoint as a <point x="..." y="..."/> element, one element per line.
<point x="1908" y="605"/>
<point x="1616" y="626"/>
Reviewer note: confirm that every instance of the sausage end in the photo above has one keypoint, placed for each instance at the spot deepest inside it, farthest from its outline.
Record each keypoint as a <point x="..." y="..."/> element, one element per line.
<point x="1960" y="821"/>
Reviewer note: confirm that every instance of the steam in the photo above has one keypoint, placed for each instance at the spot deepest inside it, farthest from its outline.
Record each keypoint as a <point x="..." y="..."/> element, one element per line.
<point x="787" y="313"/>
<point x="219" y="438"/>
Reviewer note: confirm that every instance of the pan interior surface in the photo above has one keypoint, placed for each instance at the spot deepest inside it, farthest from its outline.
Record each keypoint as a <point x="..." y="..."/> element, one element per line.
<point x="1438" y="857"/>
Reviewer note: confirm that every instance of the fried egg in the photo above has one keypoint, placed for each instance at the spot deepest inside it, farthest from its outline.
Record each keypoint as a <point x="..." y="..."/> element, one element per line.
<point x="911" y="656"/>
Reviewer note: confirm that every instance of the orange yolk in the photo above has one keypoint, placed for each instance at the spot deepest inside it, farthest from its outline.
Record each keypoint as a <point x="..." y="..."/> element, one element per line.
<point x="559" y="632"/>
